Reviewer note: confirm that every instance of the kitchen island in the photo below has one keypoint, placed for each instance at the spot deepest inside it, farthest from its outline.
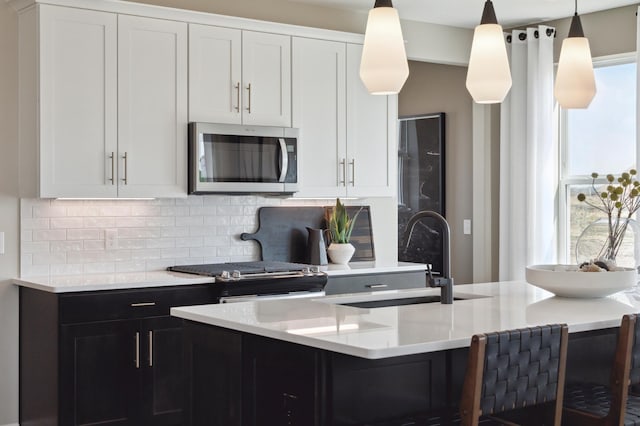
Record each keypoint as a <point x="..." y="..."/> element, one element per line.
<point x="323" y="362"/>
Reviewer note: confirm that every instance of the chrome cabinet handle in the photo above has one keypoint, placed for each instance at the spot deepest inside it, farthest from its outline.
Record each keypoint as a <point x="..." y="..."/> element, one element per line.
<point x="124" y="179"/>
<point x="284" y="160"/>
<point x="150" y="348"/>
<point x="343" y="164"/>
<point x="237" y="87"/>
<point x="377" y="285"/>
<point x="249" y="103"/>
<point x="113" y="168"/>
<point x="136" y="305"/>
<point x="137" y="361"/>
<point x="353" y="172"/>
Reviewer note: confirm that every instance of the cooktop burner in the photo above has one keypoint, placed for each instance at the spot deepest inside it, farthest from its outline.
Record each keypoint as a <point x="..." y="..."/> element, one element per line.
<point x="216" y="269"/>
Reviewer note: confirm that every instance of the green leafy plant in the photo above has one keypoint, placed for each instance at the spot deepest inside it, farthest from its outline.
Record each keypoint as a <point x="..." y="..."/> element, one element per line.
<point x="619" y="201"/>
<point x="340" y="224"/>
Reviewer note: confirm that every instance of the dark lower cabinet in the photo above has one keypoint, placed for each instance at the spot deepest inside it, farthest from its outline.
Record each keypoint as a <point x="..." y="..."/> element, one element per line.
<point x="238" y="379"/>
<point x="101" y="383"/>
<point x="103" y="358"/>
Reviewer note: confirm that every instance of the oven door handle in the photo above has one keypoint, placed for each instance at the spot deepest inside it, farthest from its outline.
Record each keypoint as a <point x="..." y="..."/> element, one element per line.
<point x="257" y="297"/>
<point x="284" y="160"/>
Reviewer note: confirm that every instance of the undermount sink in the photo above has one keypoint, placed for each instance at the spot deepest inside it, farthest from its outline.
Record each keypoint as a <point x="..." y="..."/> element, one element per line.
<point x="401" y="302"/>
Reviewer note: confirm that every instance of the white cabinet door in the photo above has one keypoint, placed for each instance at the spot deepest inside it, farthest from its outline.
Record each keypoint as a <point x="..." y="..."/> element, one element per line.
<point x="152" y="107"/>
<point x="319" y="101"/>
<point x="78" y="103"/>
<point x="266" y="79"/>
<point x="215" y="74"/>
<point x="371" y="135"/>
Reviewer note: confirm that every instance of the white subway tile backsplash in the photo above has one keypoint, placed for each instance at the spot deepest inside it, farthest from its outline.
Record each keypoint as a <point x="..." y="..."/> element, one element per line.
<point x="65" y="246"/>
<point x="66" y="222"/>
<point x="32" y="247"/>
<point x="217" y="240"/>
<point x="66" y="269"/>
<point x="174" y="252"/>
<point x="49" y="211"/>
<point x="49" y="235"/>
<point x="49" y="258"/>
<point x="168" y="221"/>
<point x="189" y="242"/>
<point x="93" y="244"/>
<point x="131" y="222"/>
<point x="132" y="243"/>
<point x="161" y="243"/>
<point x="67" y="237"/>
<point x="99" y="268"/>
<point x="145" y="254"/>
<point x="99" y="222"/>
<point x="84" y="234"/>
<point x="31" y="223"/>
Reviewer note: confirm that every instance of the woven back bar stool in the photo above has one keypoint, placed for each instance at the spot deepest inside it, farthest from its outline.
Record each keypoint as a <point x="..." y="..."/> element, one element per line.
<point x="516" y="370"/>
<point x="588" y="404"/>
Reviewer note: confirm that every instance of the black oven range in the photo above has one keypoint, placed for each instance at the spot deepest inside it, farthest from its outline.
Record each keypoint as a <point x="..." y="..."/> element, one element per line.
<point x="241" y="281"/>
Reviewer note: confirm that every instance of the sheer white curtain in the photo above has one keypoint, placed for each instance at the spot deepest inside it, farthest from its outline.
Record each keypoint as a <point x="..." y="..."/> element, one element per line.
<point x="528" y="156"/>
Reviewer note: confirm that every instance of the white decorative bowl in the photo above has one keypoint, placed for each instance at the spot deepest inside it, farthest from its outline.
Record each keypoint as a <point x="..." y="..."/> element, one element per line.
<point x="568" y="281"/>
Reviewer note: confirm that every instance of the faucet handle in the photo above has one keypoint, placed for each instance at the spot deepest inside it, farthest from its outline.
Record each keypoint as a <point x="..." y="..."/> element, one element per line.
<point x="429" y="274"/>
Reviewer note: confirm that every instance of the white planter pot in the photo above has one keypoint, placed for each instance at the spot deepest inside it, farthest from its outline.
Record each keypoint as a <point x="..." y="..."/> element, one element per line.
<point x="340" y="253"/>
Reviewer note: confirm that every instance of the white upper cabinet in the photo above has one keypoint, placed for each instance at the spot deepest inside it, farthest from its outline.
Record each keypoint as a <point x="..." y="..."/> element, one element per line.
<point x="372" y="150"/>
<point x="215" y="74"/>
<point x="152" y="107"/>
<point x="78" y="102"/>
<point x="266" y="79"/>
<point x="239" y="77"/>
<point x="319" y="111"/>
<point x="112" y="119"/>
<point x="347" y="136"/>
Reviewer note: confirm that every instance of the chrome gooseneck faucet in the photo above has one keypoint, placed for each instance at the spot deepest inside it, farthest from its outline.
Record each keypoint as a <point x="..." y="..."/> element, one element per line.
<point x="445" y="281"/>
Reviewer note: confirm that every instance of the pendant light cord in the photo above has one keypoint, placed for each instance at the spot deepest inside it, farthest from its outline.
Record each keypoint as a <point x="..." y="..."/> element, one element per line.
<point x="576" y="7"/>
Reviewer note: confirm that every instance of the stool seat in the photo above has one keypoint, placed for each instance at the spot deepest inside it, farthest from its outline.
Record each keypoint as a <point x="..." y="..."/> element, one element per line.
<point x="595" y="399"/>
<point x="589" y="404"/>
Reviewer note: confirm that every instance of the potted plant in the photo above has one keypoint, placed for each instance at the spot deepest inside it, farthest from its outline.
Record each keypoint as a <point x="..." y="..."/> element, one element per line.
<point x="340" y="226"/>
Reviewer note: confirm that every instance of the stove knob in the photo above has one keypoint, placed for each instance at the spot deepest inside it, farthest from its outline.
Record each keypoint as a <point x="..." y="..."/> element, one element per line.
<point x="225" y="275"/>
<point x="306" y="271"/>
<point x="236" y="275"/>
<point x="315" y="269"/>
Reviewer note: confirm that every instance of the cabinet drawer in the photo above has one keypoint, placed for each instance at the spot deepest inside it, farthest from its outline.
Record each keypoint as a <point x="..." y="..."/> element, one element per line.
<point x="375" y="282"/>
<point x="125" y="304"/>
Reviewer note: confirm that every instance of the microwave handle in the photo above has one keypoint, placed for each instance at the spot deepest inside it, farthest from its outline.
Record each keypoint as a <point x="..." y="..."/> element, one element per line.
<point x="284" y="160"/>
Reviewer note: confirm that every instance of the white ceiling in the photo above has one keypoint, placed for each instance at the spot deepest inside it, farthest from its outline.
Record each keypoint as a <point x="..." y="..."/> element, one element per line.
<point x="467" y="13"/>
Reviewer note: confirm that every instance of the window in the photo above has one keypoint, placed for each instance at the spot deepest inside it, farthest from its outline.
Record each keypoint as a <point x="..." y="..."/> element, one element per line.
<point x="602" y="139"/>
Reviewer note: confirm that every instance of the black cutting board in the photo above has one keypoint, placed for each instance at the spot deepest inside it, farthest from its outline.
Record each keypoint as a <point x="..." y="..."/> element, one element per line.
<point x="282" y="232"/>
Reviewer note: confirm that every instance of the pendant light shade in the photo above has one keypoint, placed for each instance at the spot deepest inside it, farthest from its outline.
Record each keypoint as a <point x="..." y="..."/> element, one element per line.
<point x="488" y="76"/>
<point x="575" y="84"/>
<point x="383" y="68"/>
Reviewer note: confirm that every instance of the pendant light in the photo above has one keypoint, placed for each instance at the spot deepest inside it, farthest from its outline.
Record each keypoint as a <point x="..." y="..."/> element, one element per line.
<point x="488" y="76"/>
<point x="575" y="84"/>
<point x="383" y="67"/>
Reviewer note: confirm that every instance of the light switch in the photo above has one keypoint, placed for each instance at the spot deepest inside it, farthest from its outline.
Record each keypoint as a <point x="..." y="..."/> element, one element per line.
<point x="466" y="226"/>
<point x="110" y="239"/>
<point x="1" y="242"/>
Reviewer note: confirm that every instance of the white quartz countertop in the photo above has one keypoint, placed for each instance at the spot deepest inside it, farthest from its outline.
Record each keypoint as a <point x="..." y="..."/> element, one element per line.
<point x="93" y="282"/>
<point x="402" y="330"/>
<point x="375" y="267"/>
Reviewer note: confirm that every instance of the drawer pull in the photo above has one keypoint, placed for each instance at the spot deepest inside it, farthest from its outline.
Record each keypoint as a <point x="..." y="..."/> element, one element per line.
<point x="137" y="360"/>
<point x="137" y="305"/>
<point x="150" y="348"/>
<point x="377" y="285"/>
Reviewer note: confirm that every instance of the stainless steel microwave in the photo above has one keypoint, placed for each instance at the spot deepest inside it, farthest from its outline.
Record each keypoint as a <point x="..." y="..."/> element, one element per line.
<point x="235" y="159"/>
